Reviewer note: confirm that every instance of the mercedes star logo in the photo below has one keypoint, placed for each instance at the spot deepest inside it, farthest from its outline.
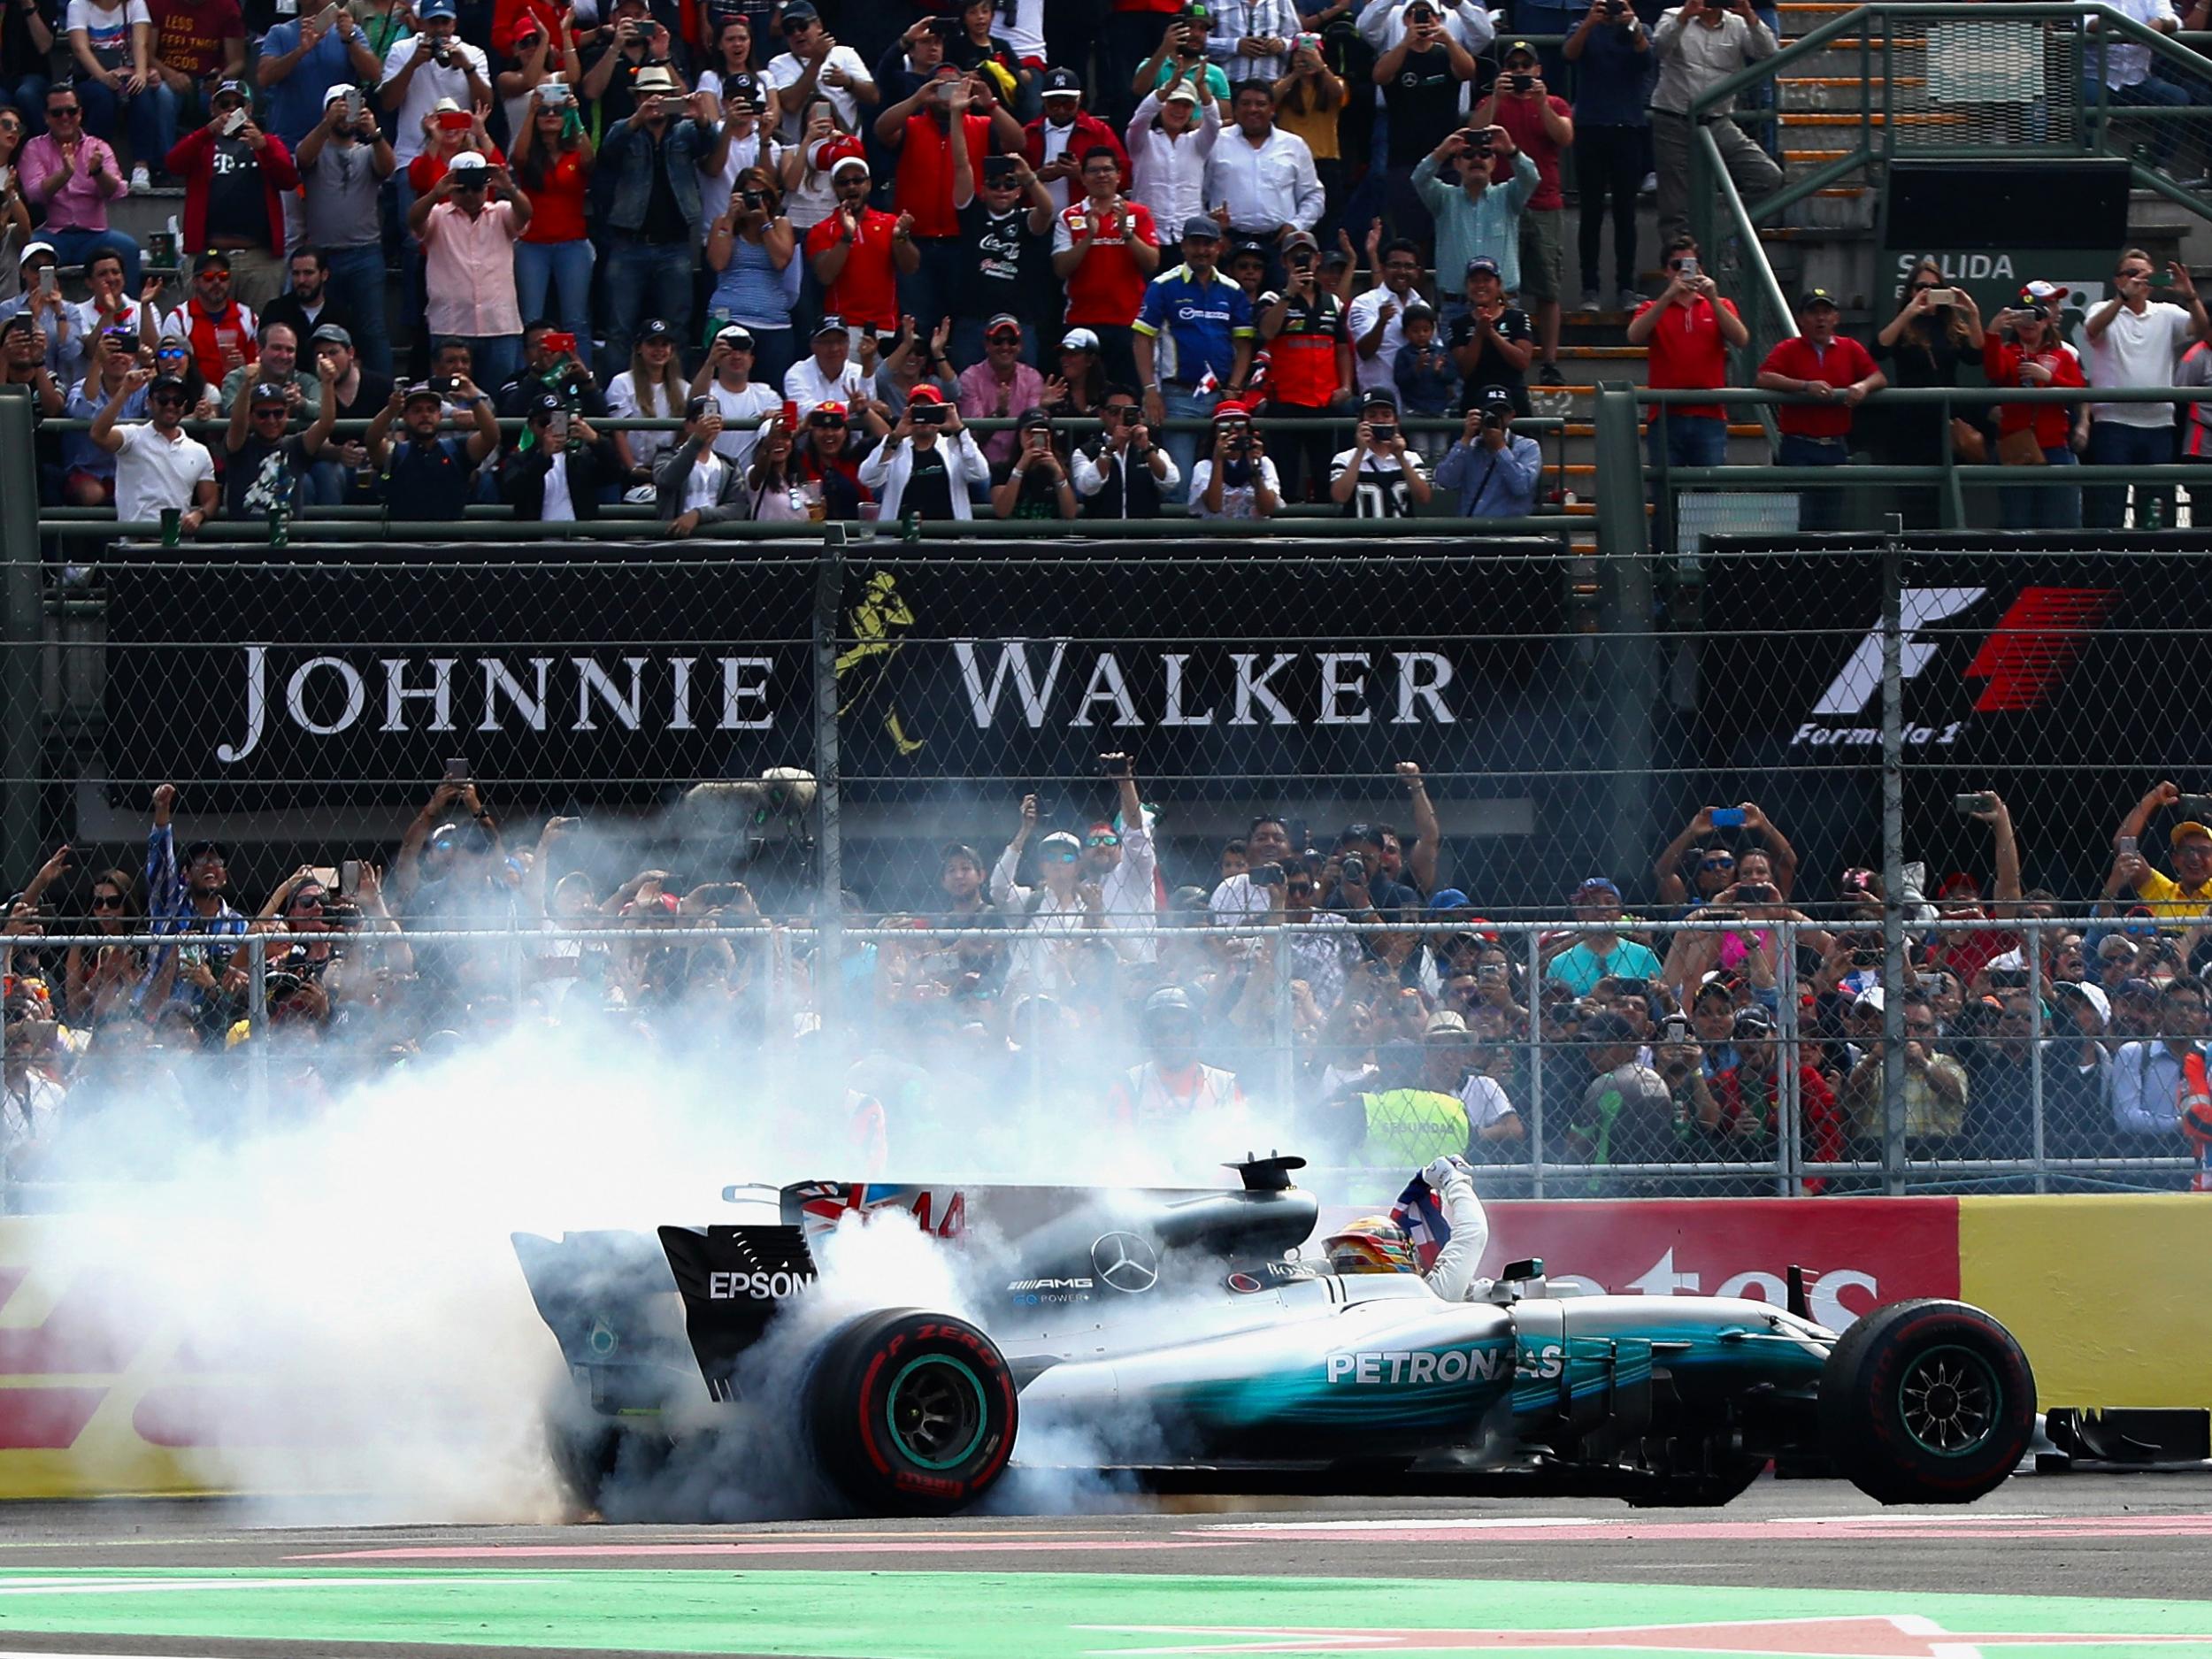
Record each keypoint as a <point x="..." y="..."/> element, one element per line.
<point x="1127" y="1262"/>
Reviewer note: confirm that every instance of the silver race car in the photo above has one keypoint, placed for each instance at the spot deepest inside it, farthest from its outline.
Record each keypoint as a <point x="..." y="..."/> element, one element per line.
<point x="1178" y="1338"/>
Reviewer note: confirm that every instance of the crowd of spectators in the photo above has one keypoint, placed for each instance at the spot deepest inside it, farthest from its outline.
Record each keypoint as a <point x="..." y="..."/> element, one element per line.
<point x="1342" y="211"/>
<point x="1096" y="967"/>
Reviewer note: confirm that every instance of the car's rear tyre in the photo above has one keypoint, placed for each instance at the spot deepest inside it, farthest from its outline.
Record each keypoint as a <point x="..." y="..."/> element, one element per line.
<point x="1927" y="1402"/>
<point x="911" y="1413"/>
<point x="598" y="1462"/>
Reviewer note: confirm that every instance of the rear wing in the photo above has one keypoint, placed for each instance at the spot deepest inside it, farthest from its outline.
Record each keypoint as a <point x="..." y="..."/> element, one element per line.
<point x="732" y="1280"/>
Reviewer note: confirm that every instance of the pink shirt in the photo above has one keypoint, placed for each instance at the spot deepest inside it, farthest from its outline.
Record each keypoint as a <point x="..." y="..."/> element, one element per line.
<point x="980" y="394"/>
<point x="469" y="267"/>
<point x="80" y="205"/>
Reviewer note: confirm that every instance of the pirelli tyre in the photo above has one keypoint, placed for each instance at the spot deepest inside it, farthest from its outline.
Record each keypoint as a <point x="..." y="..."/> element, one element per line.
<point x="600" y="1464"/>
<point x="911" y="1413"/>
<point x="1926" y="1402"/>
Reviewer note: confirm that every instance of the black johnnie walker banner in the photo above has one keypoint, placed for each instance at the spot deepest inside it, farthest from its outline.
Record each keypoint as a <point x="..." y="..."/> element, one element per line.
<point x="620" y="674"/>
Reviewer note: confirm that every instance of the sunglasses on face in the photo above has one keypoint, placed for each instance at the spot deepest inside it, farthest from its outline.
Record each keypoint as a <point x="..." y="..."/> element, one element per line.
<point x="1060" y="855"/>
<point x="1101" y="840"/>
<point x="1004" y="337"/>
<point x="107" y="901"/>
<point x="167" y="400"/>
<point x="1717" y="864"/>
<point x="69" y="114"/>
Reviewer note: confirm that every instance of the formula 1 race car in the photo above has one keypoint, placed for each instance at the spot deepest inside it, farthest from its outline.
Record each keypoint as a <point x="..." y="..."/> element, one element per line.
<point x="1174" y="1338"/>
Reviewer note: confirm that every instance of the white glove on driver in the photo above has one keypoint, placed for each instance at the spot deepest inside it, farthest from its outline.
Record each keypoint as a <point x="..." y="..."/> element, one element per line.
<point x="1442" y="1171"/>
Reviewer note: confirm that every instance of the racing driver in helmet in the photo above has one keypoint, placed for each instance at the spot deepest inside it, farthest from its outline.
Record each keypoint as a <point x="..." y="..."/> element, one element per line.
<point x="1377" y="1244"/>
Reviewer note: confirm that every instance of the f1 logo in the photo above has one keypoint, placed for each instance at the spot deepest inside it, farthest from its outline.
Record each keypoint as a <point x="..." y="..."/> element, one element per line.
<point x="1853" y="690"/>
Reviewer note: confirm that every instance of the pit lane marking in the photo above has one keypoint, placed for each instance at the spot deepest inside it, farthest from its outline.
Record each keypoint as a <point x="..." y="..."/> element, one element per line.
<point x="1830" y="1530"/>
<point x="171" y="1586"/>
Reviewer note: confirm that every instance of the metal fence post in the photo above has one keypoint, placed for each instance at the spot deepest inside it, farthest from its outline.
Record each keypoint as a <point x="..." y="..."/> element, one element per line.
<point x="1892" y="861"/>
<point x="1535" y="1063"/>
<point x="1789" y="1139"/>
<point x="258" y="1032"/>
<point x="2035" y="1050"/>
<point x="1624" y="587"/>
<point x="829" y="847"/>
<point x="20" y="734"/>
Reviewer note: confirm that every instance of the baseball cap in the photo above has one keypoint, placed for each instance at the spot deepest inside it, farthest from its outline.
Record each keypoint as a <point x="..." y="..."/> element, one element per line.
<point x="2184" y="830"/>
<point x="1061" y="83"/>
<point x="926" y="393"/>
<point x="1870" y="1000"/>
<point x="1449" y="899"/>
<point x="547" y="404"/>
<point x="265" y="393"/>
<point x="1199" y="225"/>
<point x="828" y="409"/>
<point x="1811" y="297"/>
<point x="213" y="259"/>
<point x="230" y="90"/>
<point x="1379" y="397"/>
<point x="1596" y="884"/>
<point x="161" y="382"/>
<point x="1229" y="410"/>
<point x="800" y="11"/>
<point x="847" y="162"/>
<point x="1247" y="245"/>
<point x="1181" y="92"/>
<point x="1522" y="48"/>
<point x="2044" y="292"/>
<point x="331" y="334"/>
<point x="421" y="388"/>
<point x="1482" y="264"/>
<point x="831" y="324"/>
<point x="1752" y="1022"/>
<point x="2092" y="995"/>
<point x="437" y="9"/>
<point x="336" y="93"/>
<point x="655" y="328"/>
<point x="735" y="334"/>
<point x="1004" y="319"/>
<point x="744" y="89"/>
<point x="1058" y="838"/>
<point x="467" y="161"/>
<point x="1032" y="418"/>
<point x="700" y="407"/>
<point x="32" y="250"/>
<point x="1079" y="339"/>
<point x="1496" y="398"/>
<point x="1446" y="1023"/>
<point x="1301" y="239"/>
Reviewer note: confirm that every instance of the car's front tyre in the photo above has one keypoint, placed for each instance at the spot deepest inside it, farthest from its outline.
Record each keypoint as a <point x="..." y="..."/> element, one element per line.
<point x="1927" y="1402"/>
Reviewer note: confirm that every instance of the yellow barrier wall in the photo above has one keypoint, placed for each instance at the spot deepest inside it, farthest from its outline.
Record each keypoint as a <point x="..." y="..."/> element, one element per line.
<point x="2105" y="1292"/>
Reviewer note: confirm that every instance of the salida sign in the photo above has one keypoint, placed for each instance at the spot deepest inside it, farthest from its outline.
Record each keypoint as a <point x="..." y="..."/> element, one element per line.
<point x="622" y="678"/>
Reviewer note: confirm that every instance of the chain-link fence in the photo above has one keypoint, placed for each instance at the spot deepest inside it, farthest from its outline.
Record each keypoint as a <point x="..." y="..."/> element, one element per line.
<point x="1513" y="813"/>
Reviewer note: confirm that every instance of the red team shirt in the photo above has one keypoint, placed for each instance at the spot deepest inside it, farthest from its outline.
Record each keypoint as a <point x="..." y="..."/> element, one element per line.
<point x="867" y="290"/>
<point x="1106" y="290"/>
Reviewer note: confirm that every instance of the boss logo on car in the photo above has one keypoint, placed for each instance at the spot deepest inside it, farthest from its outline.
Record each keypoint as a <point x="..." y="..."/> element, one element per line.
<point x="756" y="1286"/>
<point x="1411" y="1367"/>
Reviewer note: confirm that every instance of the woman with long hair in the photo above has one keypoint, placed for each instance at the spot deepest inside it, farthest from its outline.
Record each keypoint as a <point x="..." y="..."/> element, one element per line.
<point x="732" y="58"/>
<point x="99" y="977"/>
<point x="653" y="387"/>
<point x="776" y="488"/>
<point x="1937" y="330"/>
<point x="1083" y="371"/>
<point x="749" y="247"/>
<point x="2023" y="348"/>
<point x="552" y="167"/>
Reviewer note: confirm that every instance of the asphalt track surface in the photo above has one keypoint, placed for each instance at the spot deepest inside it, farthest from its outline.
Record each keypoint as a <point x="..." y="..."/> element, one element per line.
<point x="2062" y="1564"/>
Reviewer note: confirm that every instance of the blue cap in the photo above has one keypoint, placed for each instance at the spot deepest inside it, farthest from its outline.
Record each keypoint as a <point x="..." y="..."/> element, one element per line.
<point x="1450" y="899"/>
<point x="436" y="9"/>
<point x="1597" y="884"/>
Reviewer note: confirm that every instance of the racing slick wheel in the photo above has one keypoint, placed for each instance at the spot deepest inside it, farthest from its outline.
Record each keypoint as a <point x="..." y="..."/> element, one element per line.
<point x="911" y="1413"/>
<point x="1926" y="1402"/>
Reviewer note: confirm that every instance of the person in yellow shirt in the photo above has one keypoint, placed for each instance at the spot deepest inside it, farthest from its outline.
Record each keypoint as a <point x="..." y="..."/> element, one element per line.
<point x="2186" y="894"/>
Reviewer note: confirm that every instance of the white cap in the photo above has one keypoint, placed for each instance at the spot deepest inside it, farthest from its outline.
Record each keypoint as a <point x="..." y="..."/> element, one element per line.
<point x="1079" y="339"/>
<point x="1871" y="998"/>
<point x="467" y="161"/>
<point x="29" y="249"/>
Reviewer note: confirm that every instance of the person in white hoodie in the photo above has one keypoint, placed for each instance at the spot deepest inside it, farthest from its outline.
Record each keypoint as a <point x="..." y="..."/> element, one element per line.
<point x="928" y="463"/>
<point x="1376" y="1244"/>
<point x="1170" y="138"/>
